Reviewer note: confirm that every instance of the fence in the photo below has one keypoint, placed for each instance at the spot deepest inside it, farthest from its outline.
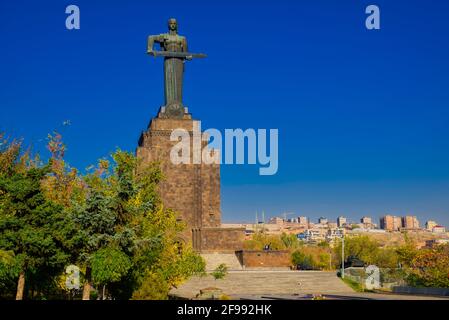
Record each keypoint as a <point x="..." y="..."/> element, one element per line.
<point x="384" y="279"/>
<point x="421" y="291"/>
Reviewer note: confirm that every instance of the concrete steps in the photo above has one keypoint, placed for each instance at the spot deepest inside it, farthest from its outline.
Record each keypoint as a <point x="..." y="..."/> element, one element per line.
<point x="213" y="260"/>
<point x="268" y="282"/>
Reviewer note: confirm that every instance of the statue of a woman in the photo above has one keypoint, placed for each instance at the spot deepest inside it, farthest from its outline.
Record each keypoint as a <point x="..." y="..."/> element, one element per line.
<point x="174" y="51"/>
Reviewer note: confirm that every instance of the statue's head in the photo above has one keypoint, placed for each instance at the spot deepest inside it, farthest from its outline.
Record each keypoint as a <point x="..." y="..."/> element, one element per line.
<point x="172" y="24"/>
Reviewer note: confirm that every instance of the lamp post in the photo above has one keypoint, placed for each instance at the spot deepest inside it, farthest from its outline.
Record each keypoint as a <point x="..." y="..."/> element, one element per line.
<point x="343" y="257"/>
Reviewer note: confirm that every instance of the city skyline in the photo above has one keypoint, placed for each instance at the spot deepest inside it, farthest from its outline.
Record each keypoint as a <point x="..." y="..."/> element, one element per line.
<point x="262" y="217"/>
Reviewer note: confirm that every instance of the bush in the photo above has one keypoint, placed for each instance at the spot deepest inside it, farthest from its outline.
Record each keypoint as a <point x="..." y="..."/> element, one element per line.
<point x="430" y="268"/>
<point x="220" y="272"/>
<point x="312" y="257"/>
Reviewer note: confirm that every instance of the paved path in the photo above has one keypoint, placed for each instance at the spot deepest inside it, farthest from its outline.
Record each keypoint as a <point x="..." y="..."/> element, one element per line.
<point x="242" y="283"/>
<point x="281" y="285"/>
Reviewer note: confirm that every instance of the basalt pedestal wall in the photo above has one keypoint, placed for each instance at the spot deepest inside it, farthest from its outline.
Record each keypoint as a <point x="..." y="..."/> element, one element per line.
<point x="191" y="189"/>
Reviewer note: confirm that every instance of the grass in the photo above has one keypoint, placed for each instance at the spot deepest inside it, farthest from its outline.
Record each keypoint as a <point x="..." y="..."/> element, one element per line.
<point x="353" y="284"/>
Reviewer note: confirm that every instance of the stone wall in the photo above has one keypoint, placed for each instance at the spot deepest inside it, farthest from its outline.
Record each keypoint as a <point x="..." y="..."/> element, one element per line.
<point x="258" y="259"/>
<point x="192" y="190"/>
<point x="219" y="239"/>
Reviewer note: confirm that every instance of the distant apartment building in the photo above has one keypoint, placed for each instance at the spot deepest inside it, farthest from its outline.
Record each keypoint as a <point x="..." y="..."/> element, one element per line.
<point x="391" y="223"/>
<point x="332" y="225"/>
<point x="341" y="221"/>
<point x="367" y="223"/>
<point x="336" y="233"/>
<point x="430" y="225"/>
<point x="358" y="226"/>
<point x="366" y="220"/>
<point x="438" y="229"/>
<point x="322" y="220"/>
<point x="312" y="235"/>
<point x="276" y="220"/>
<point x="303" y="221"/>
<point x="366" y="230"/>
<point x="410" y="223"/>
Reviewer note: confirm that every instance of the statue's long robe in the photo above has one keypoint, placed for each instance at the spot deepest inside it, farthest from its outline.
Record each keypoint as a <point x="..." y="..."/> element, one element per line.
<point x="173" y="73"/>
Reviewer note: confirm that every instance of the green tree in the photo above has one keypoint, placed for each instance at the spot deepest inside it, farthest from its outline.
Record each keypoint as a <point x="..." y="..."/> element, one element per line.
<point x="30" y="224"/>
<point x="123" y="215"/>
<point x="386" y="258"/>
<point x="302" y="260"/>
<point x="406" y="253"/>
<point x="290" y="241"/>
<point x="7" y="274"/>
<point x="430" y="268"/>
<point x="109" y="222"/>
<point x="95" y="223"/>
<point x="261" y="239"/>
<point x="361" y="247"/>
<point x="109" y="265"/>
<point x="312" y="257"/>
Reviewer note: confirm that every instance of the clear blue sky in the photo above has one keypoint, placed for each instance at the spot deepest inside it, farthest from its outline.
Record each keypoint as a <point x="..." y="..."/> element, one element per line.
<point x="363" y="116"/>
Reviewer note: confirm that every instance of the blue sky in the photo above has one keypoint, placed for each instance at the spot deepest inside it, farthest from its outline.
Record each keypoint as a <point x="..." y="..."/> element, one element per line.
<point x="363" y="116"/>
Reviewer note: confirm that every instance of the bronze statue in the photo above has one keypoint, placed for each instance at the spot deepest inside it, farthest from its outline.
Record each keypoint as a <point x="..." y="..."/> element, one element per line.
<point x="174" y="50"/>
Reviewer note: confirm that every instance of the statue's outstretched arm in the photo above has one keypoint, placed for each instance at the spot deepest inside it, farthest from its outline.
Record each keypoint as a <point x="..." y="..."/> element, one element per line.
<point x="151" y="41"/>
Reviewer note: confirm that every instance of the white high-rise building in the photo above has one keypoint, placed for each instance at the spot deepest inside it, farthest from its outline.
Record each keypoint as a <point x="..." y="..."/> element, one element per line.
<point x="303" y="221"/>
<point x="430" y="225"/>
<point x="366" y="220"/>
<point x="322" y="220"/>
<point x="341" y="221"/>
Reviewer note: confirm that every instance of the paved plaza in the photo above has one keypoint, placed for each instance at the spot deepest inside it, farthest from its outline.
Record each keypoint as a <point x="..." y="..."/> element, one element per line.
<point x="279" y="285"/>
<point x="239" y="283"/>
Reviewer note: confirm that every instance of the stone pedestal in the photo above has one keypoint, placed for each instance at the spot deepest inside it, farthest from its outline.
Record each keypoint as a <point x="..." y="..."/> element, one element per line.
<point x="192" y="190"/>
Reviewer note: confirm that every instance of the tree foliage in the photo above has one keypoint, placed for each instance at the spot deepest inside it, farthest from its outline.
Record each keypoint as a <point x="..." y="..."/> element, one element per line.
<point x="109" y="265"/>
<point x="30" y="224"/>
<point x="312" y="257"/>
<point x="430" y="267"/>
<point x="110" y="222"/>
<point x="276" y="242"/>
